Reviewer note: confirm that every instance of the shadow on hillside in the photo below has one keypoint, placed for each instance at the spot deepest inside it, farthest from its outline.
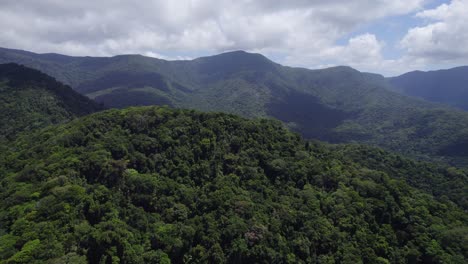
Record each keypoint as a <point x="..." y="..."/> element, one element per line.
<point x="312" y="118"/>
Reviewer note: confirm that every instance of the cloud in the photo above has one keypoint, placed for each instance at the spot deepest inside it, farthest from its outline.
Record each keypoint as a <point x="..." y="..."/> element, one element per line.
<point x="444" y="39"/>
<point x="302" y="32"/>
<point x="362" y="51"/>
<point x="441" y="42"/>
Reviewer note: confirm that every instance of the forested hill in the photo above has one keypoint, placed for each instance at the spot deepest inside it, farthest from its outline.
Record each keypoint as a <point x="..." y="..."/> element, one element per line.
<point x="338" y="104"/>
<point x="30" y="99"/>
<point x="448" y="86"/>
<point x="155" y="185"/>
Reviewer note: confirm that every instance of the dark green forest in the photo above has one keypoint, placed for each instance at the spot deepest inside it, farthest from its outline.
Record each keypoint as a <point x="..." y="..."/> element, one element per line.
<point x="159" y="185"/>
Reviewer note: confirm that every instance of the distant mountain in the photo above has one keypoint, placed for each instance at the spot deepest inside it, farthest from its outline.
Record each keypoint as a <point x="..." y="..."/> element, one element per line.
<point x="30" y="99"/>
<point x="443" y="86"/>
<point x="160" y="185"/>
<point x="337" y="104"/>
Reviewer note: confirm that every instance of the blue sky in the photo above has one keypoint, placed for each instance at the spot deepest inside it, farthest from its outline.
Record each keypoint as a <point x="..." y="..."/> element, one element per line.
<point x="392" y="29"/>
<point x="384" y="36"/>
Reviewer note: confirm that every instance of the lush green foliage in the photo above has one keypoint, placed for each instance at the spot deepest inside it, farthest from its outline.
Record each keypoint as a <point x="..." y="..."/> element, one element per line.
<point x="154" y="185"/>
<point x="337" y="104"/>
<point x="442" y="86"/>
<point x="30" y="99"/>
<point x="445" y="183"/>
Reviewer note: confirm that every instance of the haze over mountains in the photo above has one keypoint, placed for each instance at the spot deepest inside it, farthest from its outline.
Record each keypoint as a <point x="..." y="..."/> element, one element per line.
<point x="337" y="104"/>
<point x="443" y="86"/>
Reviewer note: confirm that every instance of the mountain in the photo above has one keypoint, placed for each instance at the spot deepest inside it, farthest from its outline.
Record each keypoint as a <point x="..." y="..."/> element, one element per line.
<point x="30" y="99"/>
<point x="443" y="86"/>
<point x="338" y="104"/>
<point x="161" y="185"/>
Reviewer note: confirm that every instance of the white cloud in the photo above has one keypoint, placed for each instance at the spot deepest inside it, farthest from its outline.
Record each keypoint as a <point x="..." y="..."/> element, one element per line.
<point x="112" y="27"/>
<point x="444" y="39"/>
<point x="442" y="42"/>
<point x="362" y="51"/>
<point x="306" y="31"/>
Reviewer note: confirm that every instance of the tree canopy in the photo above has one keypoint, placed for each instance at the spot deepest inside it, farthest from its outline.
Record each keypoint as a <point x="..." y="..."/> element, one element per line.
<point x="155" y="185"/>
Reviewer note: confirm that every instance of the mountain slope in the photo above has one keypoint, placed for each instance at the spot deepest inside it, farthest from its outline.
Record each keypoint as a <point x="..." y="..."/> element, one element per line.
<point x="30" y="99"/>
<point x="337" y="104"/>
<point x="443" y="86"/>
<point x="154" y="185"/>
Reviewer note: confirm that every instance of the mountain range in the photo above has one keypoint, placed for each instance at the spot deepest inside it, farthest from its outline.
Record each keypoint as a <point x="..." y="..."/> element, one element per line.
<point x="337" y="104"/>
<point x="151" y="184"/>
<point x="448" y="86"/>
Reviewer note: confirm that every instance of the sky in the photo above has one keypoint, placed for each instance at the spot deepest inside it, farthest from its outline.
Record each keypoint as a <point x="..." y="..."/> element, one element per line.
<point x="389" y="37"/>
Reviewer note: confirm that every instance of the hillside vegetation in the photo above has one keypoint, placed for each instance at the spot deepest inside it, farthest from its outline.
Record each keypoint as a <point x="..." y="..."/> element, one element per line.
<point x="155" y="185"/>
<point x="30" y="100"/>
<point x="337" y="104"/>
